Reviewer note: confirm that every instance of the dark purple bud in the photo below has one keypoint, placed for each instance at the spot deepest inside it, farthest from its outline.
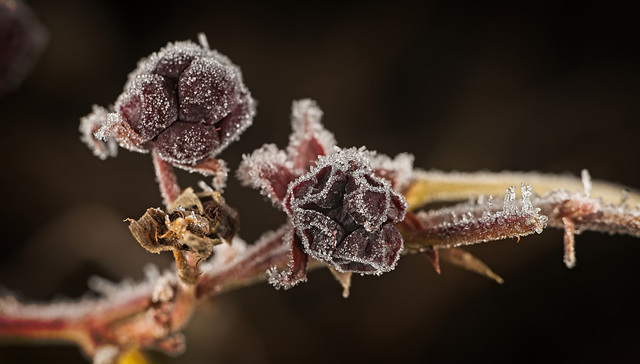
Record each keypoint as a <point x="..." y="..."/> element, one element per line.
<point x="184" y="83"/>
<point x="362" y="249"/>
<point x="186" y="143"/>
<point x="151" y="106"/>
<point x="345" y="216"/>
<point x="172" y="64"/>
<point x="207" y="91"/>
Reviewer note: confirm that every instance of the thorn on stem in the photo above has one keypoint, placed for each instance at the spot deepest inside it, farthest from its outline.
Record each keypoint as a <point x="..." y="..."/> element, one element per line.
<point x="569" y="242"/>
<point x="586" y="182"/>
<point x="433" y="256"/>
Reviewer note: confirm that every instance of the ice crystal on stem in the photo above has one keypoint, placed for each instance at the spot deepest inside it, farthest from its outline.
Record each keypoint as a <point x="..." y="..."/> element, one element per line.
<point x="570" y="203"/>
<point x="480" y="223"/>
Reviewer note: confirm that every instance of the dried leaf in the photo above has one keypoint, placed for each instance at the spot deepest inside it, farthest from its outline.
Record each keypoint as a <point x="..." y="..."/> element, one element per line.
<point x="223" y="219"/>
<point x="149" y="228"/>
<point x="194" y="223"/>
<point x="189" y="201"/>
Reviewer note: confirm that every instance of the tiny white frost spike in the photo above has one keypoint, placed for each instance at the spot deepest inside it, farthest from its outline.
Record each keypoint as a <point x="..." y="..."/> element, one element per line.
<point x="586" y="182"/>
<point x="527" y="206"/>
<point x="279" y="279"/>
<point x="488" y="206"/>
<point x="398" y="171"/>
<point x="509" y="206"/>
<point x="202" y="39"/>
<point x="443" y="228"/>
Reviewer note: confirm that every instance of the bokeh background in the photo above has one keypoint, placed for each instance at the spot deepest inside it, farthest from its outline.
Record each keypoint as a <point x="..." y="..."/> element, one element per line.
<point x="552" y="87"/>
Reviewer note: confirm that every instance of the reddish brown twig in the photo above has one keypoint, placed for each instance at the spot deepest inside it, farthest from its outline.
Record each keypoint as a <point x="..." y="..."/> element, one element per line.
<point x="149" y="314"/>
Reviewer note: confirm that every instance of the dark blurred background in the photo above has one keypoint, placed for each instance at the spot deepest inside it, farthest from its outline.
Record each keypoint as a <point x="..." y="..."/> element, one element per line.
<point x="551" y="87"/>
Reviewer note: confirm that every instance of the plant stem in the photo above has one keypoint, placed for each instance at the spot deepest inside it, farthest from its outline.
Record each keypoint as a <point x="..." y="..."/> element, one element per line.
<point x="169" y="188"/>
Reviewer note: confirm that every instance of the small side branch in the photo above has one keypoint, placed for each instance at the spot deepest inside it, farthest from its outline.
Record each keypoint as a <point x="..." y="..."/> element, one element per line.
<point x="169" y="188"/>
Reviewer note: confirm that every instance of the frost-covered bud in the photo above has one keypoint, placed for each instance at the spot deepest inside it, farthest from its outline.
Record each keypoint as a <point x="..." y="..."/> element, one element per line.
<point x="186" y="101"/>
<point x="345" y="215"/>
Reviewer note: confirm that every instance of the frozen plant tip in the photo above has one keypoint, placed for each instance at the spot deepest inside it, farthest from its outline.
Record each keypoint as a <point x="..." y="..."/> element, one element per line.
<point x="186" y="103"/>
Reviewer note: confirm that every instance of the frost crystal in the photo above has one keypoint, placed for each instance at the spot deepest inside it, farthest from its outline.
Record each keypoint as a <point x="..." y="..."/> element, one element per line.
<point x="470" y="223"/>
<point x="89" y="126"/>
<point x="345" y="215"/>
<point x="186" y="101"/>
<point x="280" y="279"/>
<point x="510" y="206"/>
<point x="527" y="206"/>
<point x="586" y="182"/>
<point x="398" y="171"/>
